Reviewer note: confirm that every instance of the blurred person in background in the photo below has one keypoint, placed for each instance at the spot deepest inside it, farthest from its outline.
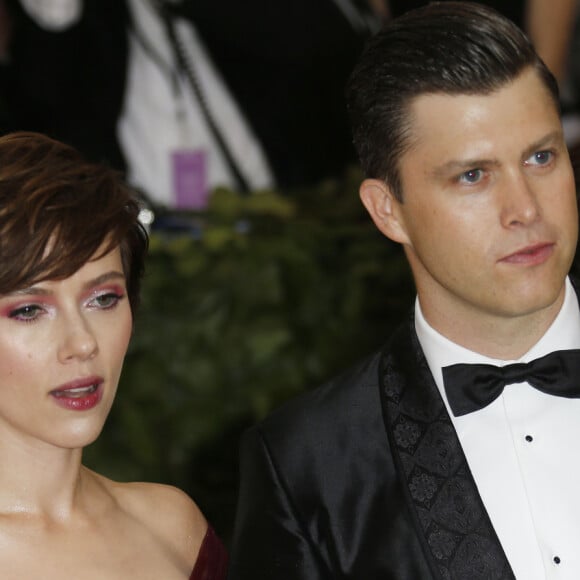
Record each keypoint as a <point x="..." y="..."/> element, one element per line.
<point x="242" y="95"/>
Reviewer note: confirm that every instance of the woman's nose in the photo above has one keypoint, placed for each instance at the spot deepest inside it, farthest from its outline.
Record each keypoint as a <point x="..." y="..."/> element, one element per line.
<point x="78" y="341"/>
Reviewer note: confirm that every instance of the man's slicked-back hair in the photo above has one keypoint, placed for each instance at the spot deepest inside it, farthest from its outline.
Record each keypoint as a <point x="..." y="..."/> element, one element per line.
<point x="57" y="211"/>
<point x="455" y="48"/>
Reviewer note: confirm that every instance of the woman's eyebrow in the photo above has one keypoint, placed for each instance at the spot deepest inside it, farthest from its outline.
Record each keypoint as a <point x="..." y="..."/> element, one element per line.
<point x="112" y="275"/>
<point x="39" y="290"/>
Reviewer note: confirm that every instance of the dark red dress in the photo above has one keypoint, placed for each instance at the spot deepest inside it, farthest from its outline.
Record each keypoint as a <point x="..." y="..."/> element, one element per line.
<point x="212" y="560"/>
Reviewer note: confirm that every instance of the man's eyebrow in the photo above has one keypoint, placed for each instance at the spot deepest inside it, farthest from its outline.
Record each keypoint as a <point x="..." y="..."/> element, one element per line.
<point x="460" y="165"/>
<point x="553" y="137"/>
<point x="38" y="290"/>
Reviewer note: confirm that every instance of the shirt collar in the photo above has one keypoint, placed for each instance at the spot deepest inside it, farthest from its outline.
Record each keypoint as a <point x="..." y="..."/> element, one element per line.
<point x="564" y="333"/>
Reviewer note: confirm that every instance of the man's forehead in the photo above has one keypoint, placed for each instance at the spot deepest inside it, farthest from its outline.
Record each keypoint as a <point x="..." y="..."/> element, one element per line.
<point x="440" y="110"/>
<point x="529" y="76"/>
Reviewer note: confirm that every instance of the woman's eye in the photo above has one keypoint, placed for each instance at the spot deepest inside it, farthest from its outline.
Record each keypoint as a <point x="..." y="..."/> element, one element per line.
<point x="472" y="176"/>
<point x="26" y="313"/>
<point x="107" y="300"/>
<point x="540" y="158"/>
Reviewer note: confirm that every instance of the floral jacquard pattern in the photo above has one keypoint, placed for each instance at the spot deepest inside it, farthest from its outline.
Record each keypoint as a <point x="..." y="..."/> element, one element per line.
<point x="423" y="487"/>
<point x="407" y="434"/>
<point x="459" y="536"/>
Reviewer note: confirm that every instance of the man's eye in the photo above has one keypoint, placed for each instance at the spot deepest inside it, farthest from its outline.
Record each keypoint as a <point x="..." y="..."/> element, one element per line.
<point x="471" y="176"/>
<point x="540" y="158"/>
<point x="26" y="313"/>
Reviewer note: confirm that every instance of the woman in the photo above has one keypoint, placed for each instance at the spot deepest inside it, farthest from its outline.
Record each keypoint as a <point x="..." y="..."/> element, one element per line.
<point x="71" y="257"/>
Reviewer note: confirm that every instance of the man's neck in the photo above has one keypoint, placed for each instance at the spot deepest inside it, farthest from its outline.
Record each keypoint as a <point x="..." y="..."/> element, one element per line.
<point x="494" y="336"/>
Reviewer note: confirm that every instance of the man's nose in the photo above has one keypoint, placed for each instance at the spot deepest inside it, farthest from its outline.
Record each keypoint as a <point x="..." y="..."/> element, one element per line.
<point x="519" y="201"/>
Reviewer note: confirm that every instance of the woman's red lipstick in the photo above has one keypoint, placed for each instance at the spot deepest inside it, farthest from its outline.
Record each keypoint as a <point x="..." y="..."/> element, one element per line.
<point x="80" y="395"/>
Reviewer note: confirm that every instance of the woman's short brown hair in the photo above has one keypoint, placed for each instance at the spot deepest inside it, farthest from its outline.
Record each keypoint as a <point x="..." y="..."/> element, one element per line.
<point x="57" y="210"/>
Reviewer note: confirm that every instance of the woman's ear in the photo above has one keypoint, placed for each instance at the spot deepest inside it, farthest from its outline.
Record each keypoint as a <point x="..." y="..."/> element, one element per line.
<point x="384" y="208"/>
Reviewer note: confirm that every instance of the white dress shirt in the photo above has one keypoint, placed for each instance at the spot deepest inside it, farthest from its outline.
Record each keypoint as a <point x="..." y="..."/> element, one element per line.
<point x="158" y="119"/>
<point x="523" y="454"/>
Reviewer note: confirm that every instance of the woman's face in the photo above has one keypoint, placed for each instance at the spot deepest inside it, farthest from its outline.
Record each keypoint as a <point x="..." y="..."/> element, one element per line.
<point x="62" y="345"/>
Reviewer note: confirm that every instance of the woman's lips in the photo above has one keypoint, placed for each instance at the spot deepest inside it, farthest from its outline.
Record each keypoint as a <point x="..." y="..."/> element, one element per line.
<point x="530" y="255"/>
<point x="80" y="395"/>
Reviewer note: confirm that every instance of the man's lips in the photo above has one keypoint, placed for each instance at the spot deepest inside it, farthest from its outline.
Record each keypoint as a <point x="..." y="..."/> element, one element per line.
<point x="530" y="255"/>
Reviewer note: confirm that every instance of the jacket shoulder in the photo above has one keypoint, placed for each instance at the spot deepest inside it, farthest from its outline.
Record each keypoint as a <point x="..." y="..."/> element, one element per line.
<point x="348" y="397"/>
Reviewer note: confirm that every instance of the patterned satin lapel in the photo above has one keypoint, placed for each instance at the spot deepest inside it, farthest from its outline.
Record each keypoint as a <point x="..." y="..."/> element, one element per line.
<point x="458" y="536"/>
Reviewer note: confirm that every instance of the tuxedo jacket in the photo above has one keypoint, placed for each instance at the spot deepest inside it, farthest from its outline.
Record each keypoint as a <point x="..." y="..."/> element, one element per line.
<point x="362" y="479"/>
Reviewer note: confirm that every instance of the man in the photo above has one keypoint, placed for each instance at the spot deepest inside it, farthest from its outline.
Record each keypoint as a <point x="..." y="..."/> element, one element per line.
<point x="390" y="472"/>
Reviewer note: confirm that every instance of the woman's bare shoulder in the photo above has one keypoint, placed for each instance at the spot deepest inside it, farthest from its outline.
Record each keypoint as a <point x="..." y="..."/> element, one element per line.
<point x="166" y="511"/>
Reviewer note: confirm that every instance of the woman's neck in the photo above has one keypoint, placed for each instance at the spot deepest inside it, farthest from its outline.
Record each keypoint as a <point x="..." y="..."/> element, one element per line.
<point x="42" y="480"/>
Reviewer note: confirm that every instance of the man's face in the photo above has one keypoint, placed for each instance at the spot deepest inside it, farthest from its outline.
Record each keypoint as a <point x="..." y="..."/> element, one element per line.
<point x="489" y="217"/>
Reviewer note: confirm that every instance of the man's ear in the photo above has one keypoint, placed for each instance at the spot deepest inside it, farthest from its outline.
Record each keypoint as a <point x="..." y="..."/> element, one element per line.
<point x="384" y="208"/>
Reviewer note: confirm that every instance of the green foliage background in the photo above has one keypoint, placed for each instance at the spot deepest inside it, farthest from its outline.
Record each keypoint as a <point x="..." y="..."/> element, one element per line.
<point x="256" y="300"/>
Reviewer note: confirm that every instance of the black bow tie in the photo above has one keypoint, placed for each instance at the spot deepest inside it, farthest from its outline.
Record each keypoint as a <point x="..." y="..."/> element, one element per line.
<point x="470" y="387"/>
